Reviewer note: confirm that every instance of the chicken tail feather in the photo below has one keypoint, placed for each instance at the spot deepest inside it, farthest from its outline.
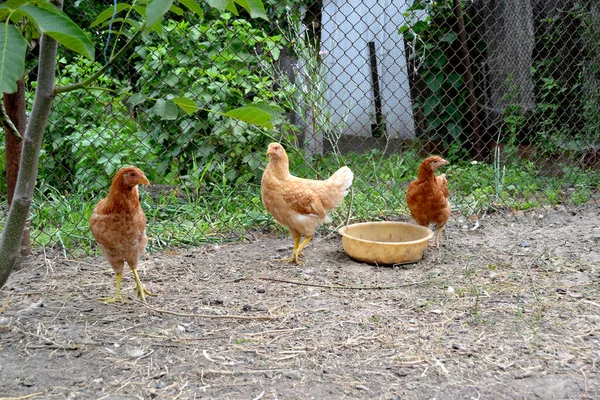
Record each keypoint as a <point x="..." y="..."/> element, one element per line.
<point x="342" y="178"/>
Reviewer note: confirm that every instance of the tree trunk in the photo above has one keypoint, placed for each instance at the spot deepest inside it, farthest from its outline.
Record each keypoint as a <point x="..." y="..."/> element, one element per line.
<point x="509" y="36"/>
<point x="14" y="104"/>
<point x="10" y="242"/>
<point x="591" y="80"/>
<point x="465" y="59"/>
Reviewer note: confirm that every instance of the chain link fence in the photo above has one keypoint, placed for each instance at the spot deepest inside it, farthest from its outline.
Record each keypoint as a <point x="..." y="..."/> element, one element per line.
<point x="508" y="91"/>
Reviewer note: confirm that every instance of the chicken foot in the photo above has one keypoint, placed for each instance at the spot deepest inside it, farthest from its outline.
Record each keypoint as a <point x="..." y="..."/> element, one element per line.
<point x="298" y="250"/>
<point x="296" y="244"/>
<point x="437" y="236"/>
<point x="139" y="287"/>
<point x="118" y="295"/>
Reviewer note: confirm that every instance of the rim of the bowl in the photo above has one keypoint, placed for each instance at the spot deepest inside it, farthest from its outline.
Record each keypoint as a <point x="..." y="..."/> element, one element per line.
<point x="429" y="235"/>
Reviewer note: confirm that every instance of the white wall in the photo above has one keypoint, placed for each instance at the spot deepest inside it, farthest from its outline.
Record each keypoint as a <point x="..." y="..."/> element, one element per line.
<point x="348" y="26"/>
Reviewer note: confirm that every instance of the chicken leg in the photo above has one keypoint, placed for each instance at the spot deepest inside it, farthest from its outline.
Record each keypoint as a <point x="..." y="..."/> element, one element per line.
<point x="139" y="287"/>
<point x="298" y="250"/>
<point x="118" y="295"/>
<point x="440" y="228"/>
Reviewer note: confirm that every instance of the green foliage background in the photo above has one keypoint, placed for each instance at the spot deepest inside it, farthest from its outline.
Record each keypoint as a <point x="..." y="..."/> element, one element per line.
<point x="205" y="168"/>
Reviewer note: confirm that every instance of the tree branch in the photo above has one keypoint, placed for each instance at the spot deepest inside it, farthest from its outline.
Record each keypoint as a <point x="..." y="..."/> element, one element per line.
<point x="10" y="242"/>
<point x="88" y="81"/>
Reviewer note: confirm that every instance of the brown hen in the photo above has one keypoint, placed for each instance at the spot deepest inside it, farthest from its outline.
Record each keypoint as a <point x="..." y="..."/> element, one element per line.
<point x="427" y="196"/>
<point x="300" y="205"/>
<point x="118" y="224"/>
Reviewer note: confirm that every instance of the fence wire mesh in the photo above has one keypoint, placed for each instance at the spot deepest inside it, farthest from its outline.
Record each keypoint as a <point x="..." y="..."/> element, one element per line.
<point x="507" y="91"/>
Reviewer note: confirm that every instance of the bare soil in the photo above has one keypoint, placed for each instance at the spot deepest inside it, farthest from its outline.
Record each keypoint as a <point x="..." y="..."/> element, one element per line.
<point x="509" y="310"/>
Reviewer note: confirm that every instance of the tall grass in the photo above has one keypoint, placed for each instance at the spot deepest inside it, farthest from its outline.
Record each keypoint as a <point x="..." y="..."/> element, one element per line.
<point x="193" y="214"/>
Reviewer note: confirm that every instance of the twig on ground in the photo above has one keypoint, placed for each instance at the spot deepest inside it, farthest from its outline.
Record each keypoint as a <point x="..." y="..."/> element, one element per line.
<point x="260" y="396"/>
<point x="276" y="280"/>
<point x="49" y="342"/>
<point x="585" y="382"/>
<point x="244" y="317"/>
<point x="441" y="366"/>
<point x="247" y="371"/>
<point x="5" y="306"/>
<point x="274" y="331"/>
<point x="29" y="396"/>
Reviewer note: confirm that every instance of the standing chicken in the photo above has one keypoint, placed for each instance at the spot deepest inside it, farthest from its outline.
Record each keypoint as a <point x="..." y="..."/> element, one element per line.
<point x="427" y="196"/>
<point x="300" y="205"/>
<point x="118" y="224"/>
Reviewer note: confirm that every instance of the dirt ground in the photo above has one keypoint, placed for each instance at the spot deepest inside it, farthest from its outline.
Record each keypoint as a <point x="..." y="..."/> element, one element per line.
<point x="509" y="310"/>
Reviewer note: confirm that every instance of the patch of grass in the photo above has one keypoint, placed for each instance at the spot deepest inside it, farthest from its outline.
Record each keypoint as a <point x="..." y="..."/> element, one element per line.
<point x="194" y="213"/>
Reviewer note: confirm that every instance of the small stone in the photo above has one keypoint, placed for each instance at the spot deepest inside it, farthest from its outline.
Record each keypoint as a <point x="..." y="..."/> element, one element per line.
<point x="524" y="244"/>
<point x="159" y="385"/>
<point x="135" y="352"/>
<point x="247" y="307"/>
<point x="261" y="290"/>
<point x="363" y="387"/>
<point x="293" y="374"/>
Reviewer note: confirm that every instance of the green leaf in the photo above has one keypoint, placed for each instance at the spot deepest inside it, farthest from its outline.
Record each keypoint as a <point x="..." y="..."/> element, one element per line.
<point x="14" y="4"/>
<point x="155" y="11"/>
<point x="449" y="37"/>
<point x="253" y="160"/>
<point x="454" y="130"/>
<point x="12" y="57"/>
<point x="252" y="115"/>
<point x="434" y="82"/>
<point x="275" y="111"/>
<point x="218" y="4"/>
<point x="165" y="109"/>
<point x="275" y="52"/>
<point x="254" y="7"/>
<point x="176" y="10"/>
<point x="455" y="80"/>
<point x="231" y="7"/>
<point x="430" y="105"/>
<point x="187" y="105"/>
<point x="433" y="124"/>
<point x="134" y="24"/>
<point x="58" y="26"/>
<point x="4" y="12"/>
<point x="136" y="99"/>
<point x="419" y="26"/>
<point x="193" y="7"/>
<point x="107" y="14"/>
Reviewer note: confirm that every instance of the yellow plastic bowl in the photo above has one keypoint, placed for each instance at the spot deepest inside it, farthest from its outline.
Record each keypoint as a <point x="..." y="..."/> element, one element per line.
<point x="385" y="242"/>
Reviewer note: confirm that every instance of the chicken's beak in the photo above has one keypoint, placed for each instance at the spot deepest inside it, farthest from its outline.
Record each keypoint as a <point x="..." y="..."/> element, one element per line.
<point x="144" y="181"/>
